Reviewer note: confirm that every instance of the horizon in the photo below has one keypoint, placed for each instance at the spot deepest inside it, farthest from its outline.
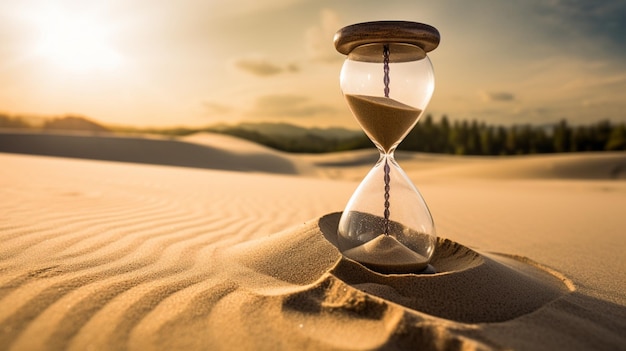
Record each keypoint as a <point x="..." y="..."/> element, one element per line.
<point x="38" y="122"/>
<point x="196" y="64"/>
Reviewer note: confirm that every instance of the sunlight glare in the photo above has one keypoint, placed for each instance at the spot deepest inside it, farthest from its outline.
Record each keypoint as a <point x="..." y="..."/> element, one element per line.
<point x="76" y="42"/>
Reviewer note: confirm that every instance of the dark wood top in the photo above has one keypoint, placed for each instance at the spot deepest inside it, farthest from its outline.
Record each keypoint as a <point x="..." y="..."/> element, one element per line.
<point x="386" y="32"/>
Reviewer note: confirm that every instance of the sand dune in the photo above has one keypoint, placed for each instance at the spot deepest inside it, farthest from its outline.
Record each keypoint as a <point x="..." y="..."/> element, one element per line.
<point x="216" y="151"/>
<point x="112" y="256"/>
<point x="151" y="150"/>
<point x="353" y="165"/>
<point x="596" y="166"/>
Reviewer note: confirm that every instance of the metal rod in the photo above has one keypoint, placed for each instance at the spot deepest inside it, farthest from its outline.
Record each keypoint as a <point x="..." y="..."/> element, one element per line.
<point x="386" y="167"/>
<point x="386" y="68"/>
<point x="387" y="188"/>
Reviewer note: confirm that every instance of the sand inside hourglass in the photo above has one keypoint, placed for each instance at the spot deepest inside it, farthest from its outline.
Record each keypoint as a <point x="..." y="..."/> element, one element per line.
<point x="386" y="254"/>
<point x="384" y="120"/>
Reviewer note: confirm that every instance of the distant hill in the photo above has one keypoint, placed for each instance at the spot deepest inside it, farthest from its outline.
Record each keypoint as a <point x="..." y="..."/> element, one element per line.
<point x="73" y="123"/>
<point x="13" y="122"/>
<point x="292" y="138"/>
<point x="66" y="123"/>
<point x="290" y="130"/>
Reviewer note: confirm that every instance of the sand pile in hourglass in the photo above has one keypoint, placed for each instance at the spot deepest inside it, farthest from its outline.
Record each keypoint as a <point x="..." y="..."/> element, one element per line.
<point x="386" y="254"/>
<point x="385" y="120"/>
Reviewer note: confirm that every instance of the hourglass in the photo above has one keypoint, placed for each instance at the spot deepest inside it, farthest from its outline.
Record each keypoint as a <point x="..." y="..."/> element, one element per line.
<point x="387" y="81"/>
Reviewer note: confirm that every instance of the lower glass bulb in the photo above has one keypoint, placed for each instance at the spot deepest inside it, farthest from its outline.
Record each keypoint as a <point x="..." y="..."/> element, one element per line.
<point x="386" y="225"/>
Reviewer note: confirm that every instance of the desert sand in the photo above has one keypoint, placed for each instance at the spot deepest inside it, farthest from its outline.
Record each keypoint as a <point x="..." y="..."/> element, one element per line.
<point x="237" y="250"/>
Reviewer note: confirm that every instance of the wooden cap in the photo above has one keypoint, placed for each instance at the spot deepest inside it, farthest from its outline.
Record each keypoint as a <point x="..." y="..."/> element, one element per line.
<point x="399" y="34"/>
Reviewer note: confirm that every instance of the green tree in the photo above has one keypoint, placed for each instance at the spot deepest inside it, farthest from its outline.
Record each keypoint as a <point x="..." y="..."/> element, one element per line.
<point x="486" y="140"/>
<point x="443" y="136"/>
<point x="617" y="139"/>
<point x="562" y="137"/>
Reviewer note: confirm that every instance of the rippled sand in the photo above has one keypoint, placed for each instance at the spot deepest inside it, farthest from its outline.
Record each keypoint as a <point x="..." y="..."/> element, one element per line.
<point x="112" y="256"/>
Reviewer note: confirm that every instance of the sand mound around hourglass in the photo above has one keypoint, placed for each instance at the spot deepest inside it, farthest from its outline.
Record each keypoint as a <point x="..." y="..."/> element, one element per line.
<point x="469" y="287"/>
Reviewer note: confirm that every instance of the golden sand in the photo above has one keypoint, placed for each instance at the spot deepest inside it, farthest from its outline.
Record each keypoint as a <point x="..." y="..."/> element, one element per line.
<point x="386" y="121"/>
<point x="120" y="256"/>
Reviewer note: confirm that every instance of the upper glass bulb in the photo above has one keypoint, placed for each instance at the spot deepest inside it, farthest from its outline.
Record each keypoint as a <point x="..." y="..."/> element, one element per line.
<point x="387" y="103"/>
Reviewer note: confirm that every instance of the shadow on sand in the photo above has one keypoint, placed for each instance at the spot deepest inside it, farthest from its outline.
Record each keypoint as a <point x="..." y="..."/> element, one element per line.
<point x="142" y="150"/>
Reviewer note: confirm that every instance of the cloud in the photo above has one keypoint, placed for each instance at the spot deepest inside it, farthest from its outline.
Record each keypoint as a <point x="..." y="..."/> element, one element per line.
<point x="285" y="100"/>
<point x="230" y="8"/>
<point x="216" y="107"/>
<point x="289" y="105"/>
<point x="292" y="67"/>
<point x="258" y="66"/>
<point x="262" y="67"/>
<point x="599" y="25"/>
<point x="319" y="38"/>
<point x="497" y="96"/>
<point x="537" y="111"/>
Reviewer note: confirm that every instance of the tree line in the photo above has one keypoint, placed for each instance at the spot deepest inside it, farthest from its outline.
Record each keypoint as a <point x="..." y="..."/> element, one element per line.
<point x="463" y="138"/>
<point x="478" y="138"/>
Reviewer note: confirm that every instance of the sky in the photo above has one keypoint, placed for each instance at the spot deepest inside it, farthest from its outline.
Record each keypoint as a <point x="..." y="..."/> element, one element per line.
<point x="161" y="63"/>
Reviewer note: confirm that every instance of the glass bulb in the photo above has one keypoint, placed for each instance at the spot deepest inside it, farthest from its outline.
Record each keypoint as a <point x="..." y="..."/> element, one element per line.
<point x="404" y="242"/>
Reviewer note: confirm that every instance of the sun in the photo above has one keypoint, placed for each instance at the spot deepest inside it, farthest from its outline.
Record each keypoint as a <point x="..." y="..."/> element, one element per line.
<point x="76" y="41"/>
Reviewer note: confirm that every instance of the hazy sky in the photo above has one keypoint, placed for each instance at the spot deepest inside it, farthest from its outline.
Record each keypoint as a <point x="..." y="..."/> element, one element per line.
<point x="193" y="62"/>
